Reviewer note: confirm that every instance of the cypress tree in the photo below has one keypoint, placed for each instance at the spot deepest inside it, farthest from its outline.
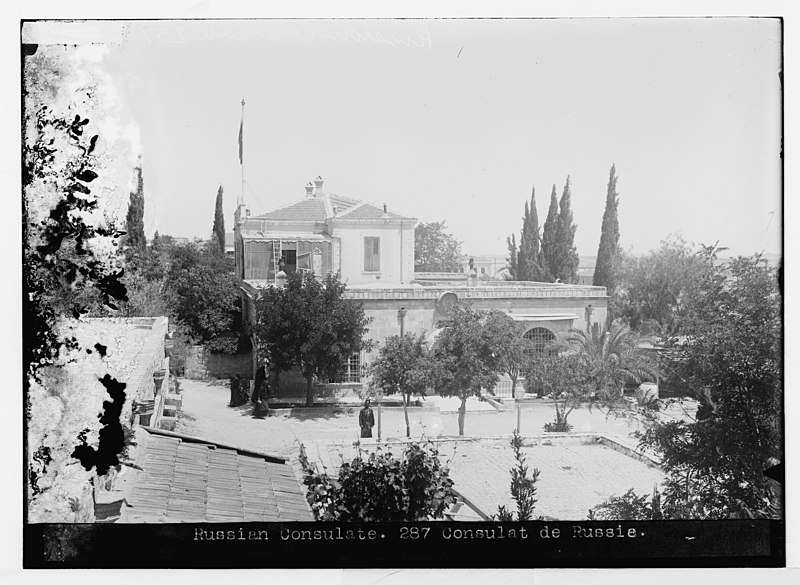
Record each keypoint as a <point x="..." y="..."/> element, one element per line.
<point x="134" y="220"/>
<point x="525" y="247"/>
<point x="530" y="260"/>
<point x="549" y="237"/>
<point x="219" y="224"/>
<point x="566" y="253"/>
<point x="511" y="261"/>
<point x="608" y="250"/>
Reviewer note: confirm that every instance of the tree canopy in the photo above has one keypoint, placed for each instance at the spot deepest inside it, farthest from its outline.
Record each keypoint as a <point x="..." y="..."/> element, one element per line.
<point x="650" y="289"/>
<point x="309" y="324"/>
<point x="206" y="297"/>
<point x="466" y="359"/>
<point x="731" y="360"/>
<point x="402" y="366"/>
<point x="510" y="347"/>
<point x="611" y="358"/>
<point x="72" y="264"/>
<point x="435" y="249"/>
<point x="563" y="379"/>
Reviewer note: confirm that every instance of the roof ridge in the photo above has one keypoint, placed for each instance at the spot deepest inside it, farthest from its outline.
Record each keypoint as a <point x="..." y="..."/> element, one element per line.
<point x="326" y="199"/>
<point x="344" y="197"/>
<point x="349" y="210"/>
<point x="191" y="439"/>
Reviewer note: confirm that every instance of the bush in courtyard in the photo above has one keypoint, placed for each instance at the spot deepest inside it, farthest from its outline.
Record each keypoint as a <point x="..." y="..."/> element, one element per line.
<point x="523" y="487"/>
<point x="382" y="488"/>
<point x="560" y="425"/>
<point x="629" y="506"/>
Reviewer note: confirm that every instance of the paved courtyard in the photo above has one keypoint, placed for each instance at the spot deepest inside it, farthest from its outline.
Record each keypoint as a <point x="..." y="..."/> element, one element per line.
<point x="574" y="476"/>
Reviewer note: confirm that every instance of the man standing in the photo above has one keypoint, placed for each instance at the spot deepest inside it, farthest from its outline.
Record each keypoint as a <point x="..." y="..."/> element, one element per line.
<point x="366" y="420"/>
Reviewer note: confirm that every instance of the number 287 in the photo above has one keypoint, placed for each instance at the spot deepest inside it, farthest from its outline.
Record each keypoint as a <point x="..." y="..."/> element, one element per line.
<point x="414" y="532"/>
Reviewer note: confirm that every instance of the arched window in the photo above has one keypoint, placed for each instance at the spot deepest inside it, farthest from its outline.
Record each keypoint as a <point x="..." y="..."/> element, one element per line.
<point x="539" y="337"/>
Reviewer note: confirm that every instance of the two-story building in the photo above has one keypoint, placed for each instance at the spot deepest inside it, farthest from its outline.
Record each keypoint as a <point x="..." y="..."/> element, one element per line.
<point x="373" y="249"/>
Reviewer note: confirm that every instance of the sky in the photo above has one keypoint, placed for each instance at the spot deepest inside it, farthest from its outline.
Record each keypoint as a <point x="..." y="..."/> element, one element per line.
<point x="458" y="120"/>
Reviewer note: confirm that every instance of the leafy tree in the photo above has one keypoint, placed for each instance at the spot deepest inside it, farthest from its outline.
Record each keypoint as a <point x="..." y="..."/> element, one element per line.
<point x="205" y="296"/>
<point x="71" y="262"/>
<point x="563" y="378"/>
<point x="146" y="298"/>
<point x="436" y="250"/>
<point x="382" y="488"/>
<point x="510" y="347"/>
<point x="611" y="358"/>
<point x="566" y="255"/>
<point x="465" y="360"/>
<point x="512" y="262"/>
<point x="523" y="487"/>
<point x="550" y="260"/>
<point x="731" y="360"/>
<point x="650" y="290"/>
<point x="402" y="366"/>
<point x="219" y="225"/>
<point x="134" y="221"/>
<point x="529" y="261"/>
<point x="608" y="250"/>
<point x="308" y="323"/>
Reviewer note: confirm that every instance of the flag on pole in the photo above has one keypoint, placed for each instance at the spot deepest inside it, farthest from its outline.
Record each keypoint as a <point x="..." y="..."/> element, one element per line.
<point x="241" y="136"/>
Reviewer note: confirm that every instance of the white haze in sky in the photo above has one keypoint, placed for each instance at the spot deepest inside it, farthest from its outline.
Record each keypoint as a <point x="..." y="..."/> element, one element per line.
<point x="460" y="119"/>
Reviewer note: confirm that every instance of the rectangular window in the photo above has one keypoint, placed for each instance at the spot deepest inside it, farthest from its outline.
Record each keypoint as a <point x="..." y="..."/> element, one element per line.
<point x="372" y="254"/>
<point x="350" y="372"/>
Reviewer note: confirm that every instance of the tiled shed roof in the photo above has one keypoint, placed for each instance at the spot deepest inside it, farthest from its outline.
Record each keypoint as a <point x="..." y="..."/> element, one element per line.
<point x="188" y="480"/>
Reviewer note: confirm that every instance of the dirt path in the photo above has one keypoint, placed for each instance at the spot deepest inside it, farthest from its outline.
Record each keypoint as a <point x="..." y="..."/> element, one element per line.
<point x="205" y="413"/>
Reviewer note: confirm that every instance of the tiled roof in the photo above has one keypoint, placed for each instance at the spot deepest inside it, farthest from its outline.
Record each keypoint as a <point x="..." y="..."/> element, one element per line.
<point x="320" y="208"/>
<point x="341" y="202"/>
<point x="189" y="480"/>
<point x="309" y="209"/>
<point x="368" y="211"/>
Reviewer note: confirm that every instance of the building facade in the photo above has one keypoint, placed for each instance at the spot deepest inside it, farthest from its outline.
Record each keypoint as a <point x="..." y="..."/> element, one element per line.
<point x="373" y="248"/>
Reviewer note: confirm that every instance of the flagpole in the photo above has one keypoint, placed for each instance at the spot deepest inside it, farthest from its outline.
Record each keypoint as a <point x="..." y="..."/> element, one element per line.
<point x="241" y="153"/>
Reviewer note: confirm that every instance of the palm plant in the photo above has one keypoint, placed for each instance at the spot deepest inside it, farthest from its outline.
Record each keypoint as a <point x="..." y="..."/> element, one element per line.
<point x="612" y="358"/>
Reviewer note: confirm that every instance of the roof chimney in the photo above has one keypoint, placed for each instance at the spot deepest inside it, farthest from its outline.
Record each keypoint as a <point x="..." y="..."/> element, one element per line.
<point x="309" y="189"/>
<point x="318" y="186"/>
<point x="385" y="211"/>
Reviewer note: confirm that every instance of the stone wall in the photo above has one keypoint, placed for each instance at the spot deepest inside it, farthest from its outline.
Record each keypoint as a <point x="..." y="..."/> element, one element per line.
<point x="422" y="314"/>
<point x="202" y="364"/>
<point x="69" y="399"/>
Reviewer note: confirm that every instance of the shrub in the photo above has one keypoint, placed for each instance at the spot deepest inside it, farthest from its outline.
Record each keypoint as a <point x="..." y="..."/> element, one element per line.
<point x="629" y="506"/>
<point x="560" y="425"/>
<point x="381" y="488"/>
<point x="523" y="487"/>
